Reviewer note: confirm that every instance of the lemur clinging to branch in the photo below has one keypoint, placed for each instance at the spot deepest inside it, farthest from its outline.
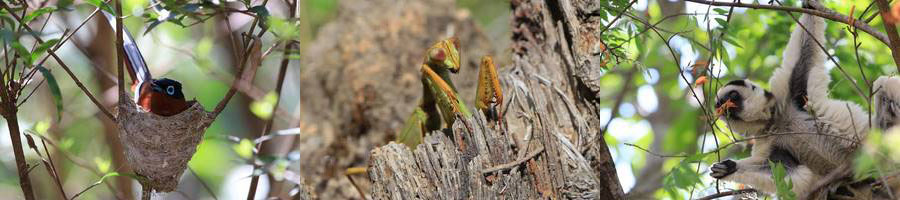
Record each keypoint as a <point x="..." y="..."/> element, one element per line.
<point x="797" y="124"/>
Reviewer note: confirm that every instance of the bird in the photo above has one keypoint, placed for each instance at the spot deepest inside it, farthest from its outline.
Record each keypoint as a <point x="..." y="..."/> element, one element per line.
<point x="161" y="96"/>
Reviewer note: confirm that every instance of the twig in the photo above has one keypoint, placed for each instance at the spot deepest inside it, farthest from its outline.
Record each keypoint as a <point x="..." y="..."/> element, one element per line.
<point x="79" y="163"/>
<point x="48" y="164"/>
<point x="358" y="190"/>
<point x="514" y="163"/>
<point x="613" y="21"/>
<point x="828" y="14"/>
<point x="891" y="31"/>
<point x="254" y="181"/>
<point x="269" y="122"/>
<point x="62" y="64"/>
<point x="237" y="80"/>
<point x="728" y="193"/>
<point x="626" y="87"/>
<point x="654" y="153"/>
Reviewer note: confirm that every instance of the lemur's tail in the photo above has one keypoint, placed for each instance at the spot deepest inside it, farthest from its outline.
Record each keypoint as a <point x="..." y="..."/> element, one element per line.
<point x="887" y="102"/>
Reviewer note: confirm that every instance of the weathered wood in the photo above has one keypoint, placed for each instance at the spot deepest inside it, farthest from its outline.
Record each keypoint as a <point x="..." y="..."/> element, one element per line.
<point x="552" y="103"/>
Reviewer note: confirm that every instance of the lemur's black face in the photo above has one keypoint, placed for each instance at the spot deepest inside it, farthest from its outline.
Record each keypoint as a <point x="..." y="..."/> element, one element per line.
<point x="749" y="101"/>
<point x="167" y="86"/>
<point x="735" y="97"/>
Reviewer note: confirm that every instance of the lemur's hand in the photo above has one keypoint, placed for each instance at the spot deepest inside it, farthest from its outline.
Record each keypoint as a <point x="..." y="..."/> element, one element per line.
<point x="723" y="169"/>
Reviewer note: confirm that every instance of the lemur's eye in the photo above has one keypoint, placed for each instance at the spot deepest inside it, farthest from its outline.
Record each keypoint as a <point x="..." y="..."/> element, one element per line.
<point x="170" y="90"/>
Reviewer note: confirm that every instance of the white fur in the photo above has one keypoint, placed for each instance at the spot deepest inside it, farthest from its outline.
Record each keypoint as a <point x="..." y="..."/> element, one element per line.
<point x="756" y="108"/>
<point x="754" y="171"/>
<point x="808" y="134"/>
<point x="886" y="88"/>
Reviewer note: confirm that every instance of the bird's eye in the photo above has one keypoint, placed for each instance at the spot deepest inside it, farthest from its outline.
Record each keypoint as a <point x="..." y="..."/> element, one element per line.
<point x="170" y="90"/>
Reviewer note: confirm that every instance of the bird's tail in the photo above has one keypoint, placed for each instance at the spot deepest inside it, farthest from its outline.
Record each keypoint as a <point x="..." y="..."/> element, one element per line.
<point x="137" y="67"/>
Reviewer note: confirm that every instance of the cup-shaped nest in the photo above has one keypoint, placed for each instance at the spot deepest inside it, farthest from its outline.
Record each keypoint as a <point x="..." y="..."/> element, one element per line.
<point x="157" y="147"/>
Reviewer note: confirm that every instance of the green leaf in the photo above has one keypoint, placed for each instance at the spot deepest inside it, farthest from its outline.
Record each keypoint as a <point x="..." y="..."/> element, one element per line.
<point x="264" y="107"/>
<point x="41" y="127"/>
<point x="782" y="186"/>
<point x="720" y="11"/>
<point x="731" y="41"/>
<point x="22" y="52"/>
<point x="38" y="13"/>
<point x="262" y="13"/>
<point x="721" y="21"/>
<point x="41" y="49"/>
<point x="244" y="149"/>
<point x="102" y="165"/>
<point x="102" y="5"/>
<point x="54" y="90"/>
<point x="204" y="47"/>
<point x="153" y="25"/>
<point x="284" y="29"/>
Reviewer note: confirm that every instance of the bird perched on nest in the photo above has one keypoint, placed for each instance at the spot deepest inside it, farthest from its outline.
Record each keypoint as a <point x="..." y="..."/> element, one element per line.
<point x="159" y="96"/>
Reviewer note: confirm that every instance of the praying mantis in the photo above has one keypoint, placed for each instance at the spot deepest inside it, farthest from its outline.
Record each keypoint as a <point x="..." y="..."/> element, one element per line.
<point x="440" y="104"/>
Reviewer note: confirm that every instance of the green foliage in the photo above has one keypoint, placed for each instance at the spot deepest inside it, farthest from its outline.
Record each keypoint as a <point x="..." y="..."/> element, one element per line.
<point x="265" y="107"/>
<point x="244" y="149"/>
<point x="54" y="90"/>
<point x="285" y="29"/>
<point x="37" y="13"/>
<point x="102" y="5"/>
<point x="783" y="184"/>
<point x="684" y="176"/>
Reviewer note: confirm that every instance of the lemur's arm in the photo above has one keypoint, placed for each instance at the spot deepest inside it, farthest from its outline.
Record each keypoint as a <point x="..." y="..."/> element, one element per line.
<point x="757" y="172"/>
<point x="802" y="76"/>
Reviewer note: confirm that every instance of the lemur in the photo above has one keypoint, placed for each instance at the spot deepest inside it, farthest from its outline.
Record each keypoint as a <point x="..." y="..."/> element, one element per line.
<point x="796" y="123"/>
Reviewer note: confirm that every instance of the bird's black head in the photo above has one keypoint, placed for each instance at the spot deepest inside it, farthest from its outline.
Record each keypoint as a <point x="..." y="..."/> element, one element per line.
<point x="168" y="86"/>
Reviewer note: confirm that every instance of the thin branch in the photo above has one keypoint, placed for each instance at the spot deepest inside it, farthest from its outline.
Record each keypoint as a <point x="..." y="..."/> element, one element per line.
<point x="356" y="186"/>
<point x="617" y="17"/>
<point x="65" y="67"/>
<point x="654" y="153"/>
<point x="728" y="193"/>
<point x="827" y="14"/>
<point x="891" y="31"/>
<point x="254" y="181"/>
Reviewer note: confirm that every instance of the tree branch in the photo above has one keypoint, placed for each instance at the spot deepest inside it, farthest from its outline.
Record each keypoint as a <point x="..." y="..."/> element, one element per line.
<point x="891" y="31"/>
<point x="824" y="13"/>
<point x="728" y="193"/>
<point x="65" y="67"/>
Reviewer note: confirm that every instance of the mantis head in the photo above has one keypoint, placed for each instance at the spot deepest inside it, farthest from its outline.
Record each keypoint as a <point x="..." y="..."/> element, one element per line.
<point x="445" y="54"/>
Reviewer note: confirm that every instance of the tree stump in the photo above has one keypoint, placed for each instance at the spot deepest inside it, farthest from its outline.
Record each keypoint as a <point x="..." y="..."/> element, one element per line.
<point x="552" y="148"/>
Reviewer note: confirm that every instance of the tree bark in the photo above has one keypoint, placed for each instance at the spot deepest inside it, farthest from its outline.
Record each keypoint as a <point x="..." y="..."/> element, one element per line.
<point x="552" y="147"/>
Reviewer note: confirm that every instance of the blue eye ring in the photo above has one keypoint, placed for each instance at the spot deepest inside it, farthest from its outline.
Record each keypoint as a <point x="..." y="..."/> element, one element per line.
<point x="170" y="90"/>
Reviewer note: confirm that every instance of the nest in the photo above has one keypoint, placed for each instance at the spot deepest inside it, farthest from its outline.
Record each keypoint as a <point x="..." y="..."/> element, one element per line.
<point x="159" y="148"/>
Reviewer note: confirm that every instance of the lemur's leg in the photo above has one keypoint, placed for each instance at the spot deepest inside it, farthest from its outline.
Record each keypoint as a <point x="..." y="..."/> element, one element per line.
<point x="887" y="102"/>
<point x="802" y="72"/>
<point x="801" y="83"/>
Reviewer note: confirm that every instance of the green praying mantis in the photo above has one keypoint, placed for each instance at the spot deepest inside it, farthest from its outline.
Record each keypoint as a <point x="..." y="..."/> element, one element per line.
<point x="440" y="104"/>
